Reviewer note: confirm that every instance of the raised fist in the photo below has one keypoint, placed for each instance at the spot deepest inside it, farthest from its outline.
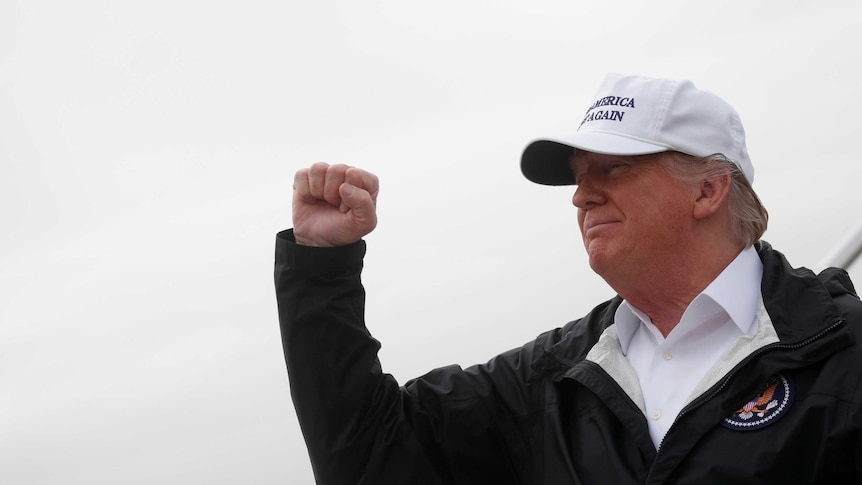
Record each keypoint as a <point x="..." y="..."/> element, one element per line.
<point x="333" y="205"/>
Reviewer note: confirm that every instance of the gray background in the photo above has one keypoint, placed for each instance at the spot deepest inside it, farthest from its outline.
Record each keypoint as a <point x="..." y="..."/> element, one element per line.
<point x="148" y="149"/>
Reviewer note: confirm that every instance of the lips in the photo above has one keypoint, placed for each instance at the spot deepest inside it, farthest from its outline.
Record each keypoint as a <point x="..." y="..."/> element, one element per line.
<point x="589" y="226"/>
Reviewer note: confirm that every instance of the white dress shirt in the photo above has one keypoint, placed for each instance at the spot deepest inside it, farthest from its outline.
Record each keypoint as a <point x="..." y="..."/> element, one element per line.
<point x="669" y="369"/>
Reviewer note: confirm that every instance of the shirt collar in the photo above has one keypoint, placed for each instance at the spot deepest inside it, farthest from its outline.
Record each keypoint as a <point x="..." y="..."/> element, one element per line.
<point x="735" y="290"/>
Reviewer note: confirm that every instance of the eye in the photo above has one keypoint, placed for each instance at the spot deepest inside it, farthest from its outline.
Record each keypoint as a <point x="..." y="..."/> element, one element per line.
<point x="615" y="166"/>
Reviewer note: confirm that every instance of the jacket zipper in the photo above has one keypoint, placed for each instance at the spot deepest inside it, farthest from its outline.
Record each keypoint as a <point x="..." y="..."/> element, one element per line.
<point x="736" y="368"/>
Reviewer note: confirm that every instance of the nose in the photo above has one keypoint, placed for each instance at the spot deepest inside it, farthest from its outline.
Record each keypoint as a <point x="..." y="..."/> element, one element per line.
<point x="587" y="195"/>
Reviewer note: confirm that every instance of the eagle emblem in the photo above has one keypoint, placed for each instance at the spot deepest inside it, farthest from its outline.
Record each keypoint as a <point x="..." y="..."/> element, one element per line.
<point x="765" y="408"/>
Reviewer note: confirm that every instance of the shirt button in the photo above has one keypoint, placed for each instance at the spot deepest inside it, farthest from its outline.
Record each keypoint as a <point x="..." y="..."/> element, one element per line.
<point x="655" y="415"/>
<point x="668" y="355"/>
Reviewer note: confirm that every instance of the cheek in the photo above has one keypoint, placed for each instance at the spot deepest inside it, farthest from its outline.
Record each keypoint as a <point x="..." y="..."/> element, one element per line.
<point x="669" y="219"/>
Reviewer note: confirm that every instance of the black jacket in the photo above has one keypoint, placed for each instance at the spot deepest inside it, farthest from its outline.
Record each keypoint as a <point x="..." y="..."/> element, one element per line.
<point x="546" y="414"/>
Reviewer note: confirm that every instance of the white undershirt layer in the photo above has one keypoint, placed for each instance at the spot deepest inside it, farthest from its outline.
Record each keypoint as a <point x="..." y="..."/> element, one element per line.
<point x="669" y="369"/>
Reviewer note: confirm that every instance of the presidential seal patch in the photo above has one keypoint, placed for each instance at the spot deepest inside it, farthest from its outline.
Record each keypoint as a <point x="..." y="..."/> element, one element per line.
<point x="765" y="408"/>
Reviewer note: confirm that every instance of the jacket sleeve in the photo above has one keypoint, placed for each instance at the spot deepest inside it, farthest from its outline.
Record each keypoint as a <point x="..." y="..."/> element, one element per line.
<point x="359" y="425"/>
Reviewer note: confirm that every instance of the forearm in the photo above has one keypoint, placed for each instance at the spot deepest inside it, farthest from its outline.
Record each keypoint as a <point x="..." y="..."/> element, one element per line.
<point x="321" y="311"/>
<point x="339" y="391"/>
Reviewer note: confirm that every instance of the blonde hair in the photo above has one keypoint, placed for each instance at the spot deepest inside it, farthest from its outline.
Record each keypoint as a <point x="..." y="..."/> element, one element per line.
<point x="748" y="215"/>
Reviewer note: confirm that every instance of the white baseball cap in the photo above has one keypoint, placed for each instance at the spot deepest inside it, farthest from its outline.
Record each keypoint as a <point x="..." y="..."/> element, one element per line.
<point x="636" y="115"/>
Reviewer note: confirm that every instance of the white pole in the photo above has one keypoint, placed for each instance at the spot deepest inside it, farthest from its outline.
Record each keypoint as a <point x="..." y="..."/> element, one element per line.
<point x="848" y="252"/>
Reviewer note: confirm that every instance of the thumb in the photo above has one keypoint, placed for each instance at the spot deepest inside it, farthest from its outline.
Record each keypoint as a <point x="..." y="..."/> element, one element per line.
<point x="360" y="202"/>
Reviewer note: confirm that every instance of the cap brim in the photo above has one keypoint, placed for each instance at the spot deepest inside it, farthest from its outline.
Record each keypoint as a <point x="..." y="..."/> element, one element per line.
<point x="547" y="161"/>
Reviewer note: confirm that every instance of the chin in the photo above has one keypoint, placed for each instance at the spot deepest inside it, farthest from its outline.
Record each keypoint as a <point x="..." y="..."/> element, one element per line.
<point x="606" y="254"/>
<point x="601" y="258"/>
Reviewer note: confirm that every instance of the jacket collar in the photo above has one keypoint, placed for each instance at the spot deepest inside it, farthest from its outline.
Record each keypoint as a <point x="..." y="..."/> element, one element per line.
<point x="798" y="302"/>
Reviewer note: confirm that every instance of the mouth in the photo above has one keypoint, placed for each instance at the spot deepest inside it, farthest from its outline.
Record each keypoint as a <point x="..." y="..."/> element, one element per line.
<point x="594" y="226"/>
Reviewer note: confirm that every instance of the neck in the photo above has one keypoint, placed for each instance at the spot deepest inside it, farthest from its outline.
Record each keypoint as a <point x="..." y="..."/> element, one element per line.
<point x="664" y="289"/>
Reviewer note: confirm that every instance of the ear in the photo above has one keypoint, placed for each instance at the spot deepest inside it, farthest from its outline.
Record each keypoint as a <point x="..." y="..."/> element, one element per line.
<point x="712" y="195"/>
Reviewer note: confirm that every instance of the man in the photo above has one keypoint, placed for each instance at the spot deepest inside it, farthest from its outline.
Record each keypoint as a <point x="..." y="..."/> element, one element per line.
<point x="716" y="363"/>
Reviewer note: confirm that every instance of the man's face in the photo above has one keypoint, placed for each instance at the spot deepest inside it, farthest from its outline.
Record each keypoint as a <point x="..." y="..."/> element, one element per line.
<point x="631" y="211"/>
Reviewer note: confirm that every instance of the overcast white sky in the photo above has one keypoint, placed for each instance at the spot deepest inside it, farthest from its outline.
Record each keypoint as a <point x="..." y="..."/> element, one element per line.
<point x="148" y="149"/>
